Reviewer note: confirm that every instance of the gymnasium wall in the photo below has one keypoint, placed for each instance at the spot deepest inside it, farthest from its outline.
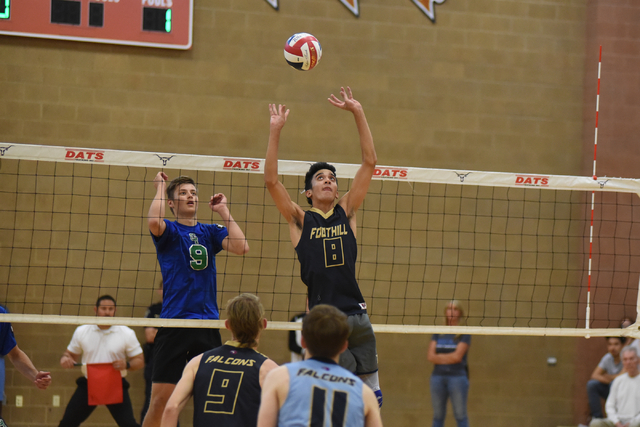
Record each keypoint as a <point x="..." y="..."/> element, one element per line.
<point x="612" y="25"/>
<point x="492" y="85"/>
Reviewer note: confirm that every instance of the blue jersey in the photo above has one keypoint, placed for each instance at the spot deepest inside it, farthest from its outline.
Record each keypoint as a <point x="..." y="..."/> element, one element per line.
<point x="7" y="340"/>
<point x="322" y="394"/>
<point x="447" y="343"/>
<point x="187" y="260"/>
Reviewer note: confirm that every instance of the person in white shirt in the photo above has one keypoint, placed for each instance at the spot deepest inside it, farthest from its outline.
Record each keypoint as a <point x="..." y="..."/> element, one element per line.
<point x="623" y="403"/>
<point x="113" y="344"/>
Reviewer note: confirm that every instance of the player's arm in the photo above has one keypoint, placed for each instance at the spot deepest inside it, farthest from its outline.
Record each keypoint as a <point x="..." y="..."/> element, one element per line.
<point x="24" y="365"/>
<point x="155" y="218"/>
<point x="371" y="409"/>
<point x="235" y="242"/>
<point x="267" y="366"/>
<point x="274" y="393"/>
<point x="290" y="210"/>
<point x="181" y="394"/>
<point x="354" y="198"/>
<point x="447" y="358"/>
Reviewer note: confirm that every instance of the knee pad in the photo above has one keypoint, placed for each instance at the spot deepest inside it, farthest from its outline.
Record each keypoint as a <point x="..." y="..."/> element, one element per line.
<point x="373" y="382"/>
<point x="378" y="394"/>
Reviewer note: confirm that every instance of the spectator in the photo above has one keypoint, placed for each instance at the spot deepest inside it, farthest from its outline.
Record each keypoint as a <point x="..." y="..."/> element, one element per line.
<point x="450" y="377"/>
<point x="627" y="322"/>
<point x="623" y="403"/>
<point x="608" y="369"/>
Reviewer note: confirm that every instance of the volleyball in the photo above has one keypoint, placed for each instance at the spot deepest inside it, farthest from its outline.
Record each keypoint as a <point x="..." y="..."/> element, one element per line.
<point x="302" y="51"/>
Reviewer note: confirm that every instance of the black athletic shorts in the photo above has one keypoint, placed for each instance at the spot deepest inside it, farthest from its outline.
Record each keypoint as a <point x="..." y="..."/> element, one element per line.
<point x="174" y="347"/>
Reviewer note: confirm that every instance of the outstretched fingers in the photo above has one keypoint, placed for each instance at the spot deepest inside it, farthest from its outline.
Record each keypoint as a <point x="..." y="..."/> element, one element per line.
<point x="349" y="93"/>
<point x="278" y="111"/>
<point x="335" y="101"/>
<point x="346" y="101"/>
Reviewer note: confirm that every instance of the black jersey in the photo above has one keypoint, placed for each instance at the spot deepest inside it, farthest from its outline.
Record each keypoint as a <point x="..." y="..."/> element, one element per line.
<point x="327" y="252"/>
<point x="226" y="389"/>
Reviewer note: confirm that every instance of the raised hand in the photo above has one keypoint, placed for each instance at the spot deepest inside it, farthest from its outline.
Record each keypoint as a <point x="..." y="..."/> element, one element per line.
<point x="347" y="103"/>
<point x="218" y="202"/>
<point x="279" y="115"/>
<point x="160" y="179"/>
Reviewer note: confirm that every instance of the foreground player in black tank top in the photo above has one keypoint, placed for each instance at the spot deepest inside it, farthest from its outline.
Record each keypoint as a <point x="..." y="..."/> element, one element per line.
<point x="226" y="382"/>
<point x="325" y="236"/>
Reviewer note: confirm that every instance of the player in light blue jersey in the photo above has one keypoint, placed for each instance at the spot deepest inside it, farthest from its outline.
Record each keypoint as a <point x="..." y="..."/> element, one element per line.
<point x="317" y="392"/>
<point x="186" y="253"/>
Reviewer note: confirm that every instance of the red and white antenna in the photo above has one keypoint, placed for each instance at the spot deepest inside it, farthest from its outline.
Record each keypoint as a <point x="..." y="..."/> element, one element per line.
<point x="593" y="194"/>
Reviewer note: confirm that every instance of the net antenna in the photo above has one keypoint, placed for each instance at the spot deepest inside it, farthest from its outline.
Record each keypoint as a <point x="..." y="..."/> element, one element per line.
<point x="593" y="196"/>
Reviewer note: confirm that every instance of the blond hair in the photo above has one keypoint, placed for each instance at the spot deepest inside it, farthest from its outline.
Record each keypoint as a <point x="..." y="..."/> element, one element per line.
<point x="245" y="314"/>
<point x="455" y="304"/>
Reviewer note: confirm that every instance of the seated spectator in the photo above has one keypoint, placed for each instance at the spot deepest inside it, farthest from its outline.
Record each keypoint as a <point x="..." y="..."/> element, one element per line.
<point x="608" y="369"/>
<point x="623" y="403"/>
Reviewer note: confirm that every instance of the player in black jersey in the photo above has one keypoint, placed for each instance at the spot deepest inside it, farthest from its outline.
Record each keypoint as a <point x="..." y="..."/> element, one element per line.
<point x="226" y="382"/>
<point x="324" y="237"/>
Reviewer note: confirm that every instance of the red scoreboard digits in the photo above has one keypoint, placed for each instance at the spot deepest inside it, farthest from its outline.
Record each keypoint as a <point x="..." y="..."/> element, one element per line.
<point x="152" y="23"/>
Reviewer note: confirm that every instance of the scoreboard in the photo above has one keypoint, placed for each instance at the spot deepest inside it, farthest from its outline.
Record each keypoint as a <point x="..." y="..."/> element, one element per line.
<point x="151" y="23"/>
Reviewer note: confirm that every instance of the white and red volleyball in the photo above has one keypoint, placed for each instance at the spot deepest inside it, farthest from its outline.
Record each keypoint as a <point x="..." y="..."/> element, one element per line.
<point x="302" y="51"/>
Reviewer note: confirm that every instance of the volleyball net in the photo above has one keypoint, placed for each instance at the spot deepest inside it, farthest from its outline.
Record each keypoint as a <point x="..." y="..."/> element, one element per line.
<point x="513" y="248"/>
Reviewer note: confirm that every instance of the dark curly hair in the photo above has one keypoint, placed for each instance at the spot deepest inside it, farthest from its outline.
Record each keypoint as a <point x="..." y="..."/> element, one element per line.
<point x="312" y="171"/>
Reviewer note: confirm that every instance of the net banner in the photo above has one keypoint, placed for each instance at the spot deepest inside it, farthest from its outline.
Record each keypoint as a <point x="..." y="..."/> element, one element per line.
<point x="299" y="168"/>
<point x="513" y="248"/>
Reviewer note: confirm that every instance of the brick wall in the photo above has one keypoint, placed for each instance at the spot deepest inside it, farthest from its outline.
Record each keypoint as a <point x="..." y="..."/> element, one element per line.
<point x="493" y="85"/>
<point x="612" y="25"/>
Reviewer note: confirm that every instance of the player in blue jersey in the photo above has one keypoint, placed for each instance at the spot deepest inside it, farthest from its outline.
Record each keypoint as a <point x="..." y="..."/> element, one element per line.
<point x="317" y="391"/>
<point x="226" y="382"/>
<point x="186" y="252"/>
<point x="9" y="347"/>
<point x="324" y="237"/>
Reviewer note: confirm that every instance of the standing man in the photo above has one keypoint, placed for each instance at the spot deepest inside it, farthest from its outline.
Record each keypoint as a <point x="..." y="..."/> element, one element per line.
<point x="186" y="252"/>
<point x="113" y="344"/>
<point x="226" y="382"/>
<point x="324" y="237"/>
<point x="623" y="403"/>
<point x="309" y="392"/>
